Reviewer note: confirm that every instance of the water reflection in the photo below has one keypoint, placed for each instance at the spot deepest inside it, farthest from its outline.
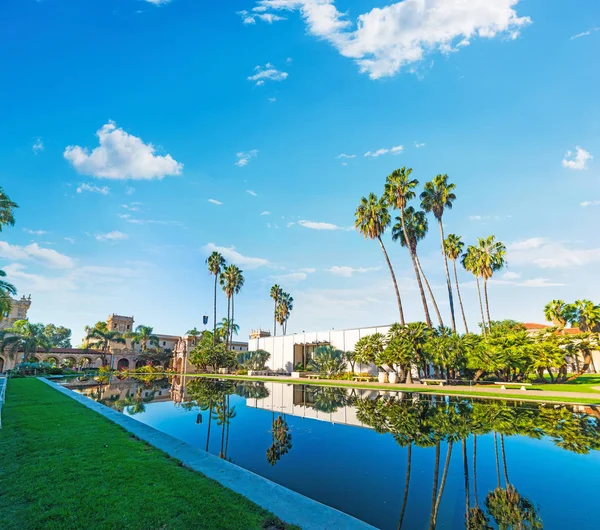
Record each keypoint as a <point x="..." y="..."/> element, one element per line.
<point x="358" y="470"/>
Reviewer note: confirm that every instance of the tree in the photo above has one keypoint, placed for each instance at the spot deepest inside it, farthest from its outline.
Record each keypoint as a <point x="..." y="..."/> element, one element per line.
<point x="470" y="262"/>
<point x="490" y="259"/>
<point x="253" y="360"/>
<point x="210" y="354"/>
<point x="60" y="337"/>
<point x="556" y="312"/>
<point x="27" y="337"/>
<point x="371" y="220"/>
<point x="369" y="348"/>
<point x="438" y="195"/>
<point x="287" y="304"/>
<point x="275" y="294"/>
<point x="547" y="355"/>
<point x="216" y="263"/>
<point x="225" y="329"/>
<point x="415" y="225"/>
<point x="399" y="189"/>
<point x="101" y="337"/>
<point x="329" y="361"/>
<point x="585" y="314"/>
<point x="7" y="207"/>
<point x="144" y="336"/>
<point x="237" y="282"/>
<point x="7" y="290"/>
<point x="231" y="280"/>
<point x="453" y="247"/>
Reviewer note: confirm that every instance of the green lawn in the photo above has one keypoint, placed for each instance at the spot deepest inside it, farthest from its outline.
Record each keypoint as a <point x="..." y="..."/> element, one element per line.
<point x="62" y="466"/>
<point x="583" y="383"/>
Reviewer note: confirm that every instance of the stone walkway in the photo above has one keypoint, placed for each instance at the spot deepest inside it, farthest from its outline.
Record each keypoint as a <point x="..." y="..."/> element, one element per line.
<point x="2" y="393"/>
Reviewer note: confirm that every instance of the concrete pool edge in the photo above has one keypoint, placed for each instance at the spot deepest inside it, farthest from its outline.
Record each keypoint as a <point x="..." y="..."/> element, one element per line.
<point x="286" y="504"/>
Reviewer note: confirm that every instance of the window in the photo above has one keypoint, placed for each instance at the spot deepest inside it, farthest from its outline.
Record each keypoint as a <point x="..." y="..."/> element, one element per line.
<point x="128" y="326"/>
<point x="164" y="343"/>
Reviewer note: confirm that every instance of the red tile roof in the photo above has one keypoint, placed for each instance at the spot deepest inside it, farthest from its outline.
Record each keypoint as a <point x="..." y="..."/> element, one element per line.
<point x="532" y="325"/>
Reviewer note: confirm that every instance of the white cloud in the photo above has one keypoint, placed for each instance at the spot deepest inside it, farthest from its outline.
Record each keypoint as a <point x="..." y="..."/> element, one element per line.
<point x="265" y="213"/>
<point x="70" y="240"/>
<point x="250" y="18"/>
<point x="123" y="215"/>
<point x="509" y="275"/>
<point x="215" y="201"/>
<point x="389" y="38"/>
<point x="244" y="157"/>
<point x="589" y="203"/>
<point x="377" y="153"/>
<point x="121" y="156"/>
<point x="158" y="2"/>
<point x="548" y="254"/>
<point x="419" y="145"/>
<point x="272" y="100"/>
<point x="115" y="235"/>
<point x="267" y="73"/>
<point x="347" y="272"/>
<point x="253" y="193"/>
<point x="308" y="270"/>
<point x="102" y="190"/>
<point x="540" y="282"/>
<point x="231" y="254"/>
<point x="38" y="146"/>
<point x="292" y="277"/>
<point x="344" y="155"/>
<point x="37" y="282"/>
<point x="577" y="160"/>
<point x="129" y="190"/>
<point x="46" y="256"/>
<point x="314" y="225"/>
<point x="154" y="222"/>
<point x="585" y="33"/>
<point x="132" y="206"/>
<point x="35" y="232"/>
<point x="398" y="149"/>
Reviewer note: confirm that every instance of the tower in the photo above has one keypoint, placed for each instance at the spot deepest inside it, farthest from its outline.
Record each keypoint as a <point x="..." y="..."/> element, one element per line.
<point x="123" y="325"/>
<point x="18" y="311"/>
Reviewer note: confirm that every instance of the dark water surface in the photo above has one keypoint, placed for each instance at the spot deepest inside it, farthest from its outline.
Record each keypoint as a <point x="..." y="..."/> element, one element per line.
<point x="388" y="458"/>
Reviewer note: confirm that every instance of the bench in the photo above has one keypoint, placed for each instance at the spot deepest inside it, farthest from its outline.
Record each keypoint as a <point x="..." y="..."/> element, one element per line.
<point x="313" y="376"/>
<point x="435" y="381"/>
<point x="504" y="385"/>
<point x="361" y="378"/>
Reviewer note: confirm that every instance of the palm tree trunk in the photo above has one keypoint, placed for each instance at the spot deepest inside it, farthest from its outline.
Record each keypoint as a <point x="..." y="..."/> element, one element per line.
<point x="228" y="322"/>
<point x="413" y="253"/>
<point x="462" y="309"/>
<point x="406" y="485"/>
<point x="487" y="305"/>
<point x="467" y="489"/>
<point x="475" y="470"/>
<point x="497" y="460"/>
<point x="436" y="474"/>
<point x="443" y="483"/>
<point x="275" y="319"/>
<point x="232" y="317"/>
<point x="483" y="324"/>
<point x="435" y="306"/>
<point x="209" y="421"/>
<point x="228" y="424"/>
<point x="394" y="280"/>
<point x="504" y="460"/>
<point x="215" y="314"/>
<point x="450" y="298"/>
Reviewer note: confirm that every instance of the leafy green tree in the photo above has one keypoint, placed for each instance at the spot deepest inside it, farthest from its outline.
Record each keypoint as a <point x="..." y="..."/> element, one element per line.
<point x="438" y="195"/>
<point x="100" y="337"/>
<point x="26" y="337"/>
<point x="471" y="262"/>
<point x="225" y="328"/>
<point x="60" y="337"/>
<point x="409" y="233"/>
<point x="7" y="207"/>
<point x="253" y="360"/>
<point x="281" y="440"/>
<point x="369" y="348"/>
<point x="371" y="220"/>
<point x="556" y="312"/>
<point x="231" y="280"/>
<point x="585" y="314"/>
<point x="453" y="247"/>
<point x="329" y="361"/>
<point x="490" y="259"/>
<point x="144" y="336"/>
<point x="216" y="263"/>
<point x="275" y="294"/>
<point x="209" y="353"/>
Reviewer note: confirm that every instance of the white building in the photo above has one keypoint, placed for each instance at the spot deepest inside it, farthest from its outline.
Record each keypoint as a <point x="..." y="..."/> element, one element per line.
<point x="289" y="350"/>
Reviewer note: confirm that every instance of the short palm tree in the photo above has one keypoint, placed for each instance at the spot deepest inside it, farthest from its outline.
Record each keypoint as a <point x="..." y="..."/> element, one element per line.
<point x="101" y="337"/>
<point x="144" y="336"/>
<point x="586" y="315"/>
<point x="453" y="247"/>
<point x="216" y="263"/>
<point x="7" y="207"/>
<point x="371" y="220"/>
<point x="26" y="337"/>
<point x="491" y="257"/>
<point x="438" y="195"/>
<point x="415" y="225"/>
<point x="470" y="261"/>
<point x="7" y="291"/>
<point x="275" y="294"/>
<point x="556" y="312"/>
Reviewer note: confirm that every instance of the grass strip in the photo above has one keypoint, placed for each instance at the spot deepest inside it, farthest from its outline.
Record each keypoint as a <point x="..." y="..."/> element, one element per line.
<point x="62" y="466"/>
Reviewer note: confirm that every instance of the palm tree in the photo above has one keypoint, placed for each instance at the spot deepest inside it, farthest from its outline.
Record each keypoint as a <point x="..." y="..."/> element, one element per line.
<point x="237" y="281"/>
<point x="287" y="303"/>
<point x="227" y="281"/>
<point x="585" y="314"/>
<point x="275" y="294"/>
<point x="372" y="218"/>
<point x="102" y="337"/>
<point x="227" y="328"/>
<point x="6" y="291"/>
<point x="555" y="312"/>
<point x="415" y="223"/>
<point x="216" y="263"/>
<point x="453" y="247"/>
<point x="470" y="262"/>
<point x="7" y="206"/>
<point x="144" y="336"/>
<point x="491" y="259"/>
<point x="437" y="196"/>
<point x="25" y="336"/>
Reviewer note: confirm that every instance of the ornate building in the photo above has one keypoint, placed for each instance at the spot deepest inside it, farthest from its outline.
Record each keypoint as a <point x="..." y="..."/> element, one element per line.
<point x="18" y="312"/>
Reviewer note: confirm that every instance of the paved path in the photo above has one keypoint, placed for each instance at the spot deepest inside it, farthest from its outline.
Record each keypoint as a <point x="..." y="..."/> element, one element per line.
<point x="2" y="393"/>
<point x="510" y="393"/>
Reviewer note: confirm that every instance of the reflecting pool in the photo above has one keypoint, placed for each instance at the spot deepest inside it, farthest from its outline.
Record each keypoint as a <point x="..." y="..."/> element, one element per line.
<point x="393" y="459"/>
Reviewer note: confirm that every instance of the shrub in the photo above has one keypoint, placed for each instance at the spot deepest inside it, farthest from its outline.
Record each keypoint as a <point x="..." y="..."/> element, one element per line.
<point x="328" y="361"/>
<point x="253" y="360"/>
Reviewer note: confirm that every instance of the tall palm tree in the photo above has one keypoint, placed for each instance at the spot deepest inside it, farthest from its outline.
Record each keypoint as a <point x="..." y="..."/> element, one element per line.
<point x="415" y="224"/>
<point x="144" y="336"/>
<point x="227" y="281"/>
<point x="491" y="259"/>
<point x="470" y="261"/>
<point x="453" y="247"/>
<point x="216" y="263"/>
<point x="237" y="281"/>
<point x="371" y="220"/>
<point x="275" y="294"/>
<point x="437" y="196"/>
<point x="101" y="337"/>
<point x="556" y="312"/>
<point x="7" y="207"/>
<point x="283" y="310"/>
<point x="25" y="336"/>
<point x="7" y="290"/>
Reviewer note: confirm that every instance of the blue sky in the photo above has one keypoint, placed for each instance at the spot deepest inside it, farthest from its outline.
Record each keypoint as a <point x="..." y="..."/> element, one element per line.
<point x="125" y="122"/>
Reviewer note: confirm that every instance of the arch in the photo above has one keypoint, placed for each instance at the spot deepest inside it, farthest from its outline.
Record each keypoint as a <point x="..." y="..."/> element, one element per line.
<point x="69" y="361"/>
<point x="179" y="364"/>
<point x="51" y="360"/>
<point x="140" y="364"/>
<point x="1" y="365"/>
<point x="33" y="360"/>
<point x="84" y="362"/>
<point x="123" y="364"/>
<point x="98" y="362"/>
